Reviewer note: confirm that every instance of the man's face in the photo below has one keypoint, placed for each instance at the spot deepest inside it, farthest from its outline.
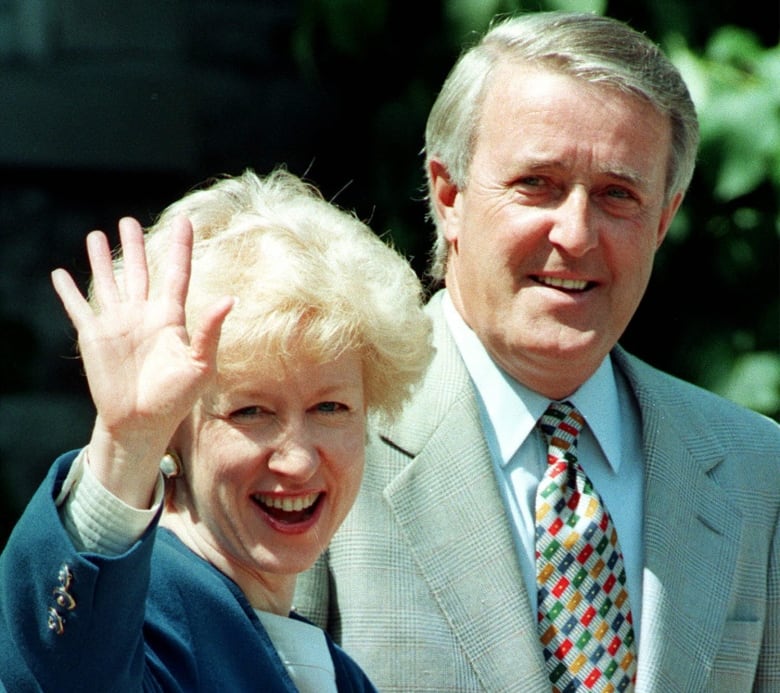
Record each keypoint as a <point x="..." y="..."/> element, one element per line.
<point x="552" y="238"/>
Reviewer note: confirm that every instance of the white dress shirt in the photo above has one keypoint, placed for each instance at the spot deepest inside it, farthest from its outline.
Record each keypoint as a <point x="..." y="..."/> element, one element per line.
<point x="609" y="450"/>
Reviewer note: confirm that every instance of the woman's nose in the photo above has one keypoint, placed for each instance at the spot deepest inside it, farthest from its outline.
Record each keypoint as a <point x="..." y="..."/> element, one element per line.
<point x="295" y="456"/>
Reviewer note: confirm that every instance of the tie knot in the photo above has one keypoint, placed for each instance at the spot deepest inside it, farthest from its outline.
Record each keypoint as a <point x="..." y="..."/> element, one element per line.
<point x="561" y="425"/>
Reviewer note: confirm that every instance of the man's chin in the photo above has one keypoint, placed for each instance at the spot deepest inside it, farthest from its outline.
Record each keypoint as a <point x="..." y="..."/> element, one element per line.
<point x="571" y="355"/>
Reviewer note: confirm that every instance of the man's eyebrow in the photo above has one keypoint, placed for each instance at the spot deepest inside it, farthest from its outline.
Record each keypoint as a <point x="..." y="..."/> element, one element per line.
<point x="627" y="175"/>
<point x="617" y="171"/>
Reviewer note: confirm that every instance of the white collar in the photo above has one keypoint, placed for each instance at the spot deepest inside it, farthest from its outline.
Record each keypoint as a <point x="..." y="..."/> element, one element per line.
<point x="513" y="409"/>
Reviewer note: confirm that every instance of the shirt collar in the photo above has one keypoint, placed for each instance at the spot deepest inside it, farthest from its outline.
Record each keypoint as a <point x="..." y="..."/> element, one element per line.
<point x="514" y="409"/>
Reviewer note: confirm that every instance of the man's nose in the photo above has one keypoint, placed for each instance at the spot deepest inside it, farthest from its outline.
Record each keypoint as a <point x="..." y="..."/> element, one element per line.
<point x="574" y="229"/>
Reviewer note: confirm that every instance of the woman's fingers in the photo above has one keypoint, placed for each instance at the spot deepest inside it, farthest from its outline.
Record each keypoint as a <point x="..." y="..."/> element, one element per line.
<point x="127" y="314"/>
<point x="132" y="283"/>
<point x="176" y="279"/>
<point x="100" y="261"/>
<point x="135" y="275"/>
<point x="205" y="340"/>
<point x="75" y="305"/>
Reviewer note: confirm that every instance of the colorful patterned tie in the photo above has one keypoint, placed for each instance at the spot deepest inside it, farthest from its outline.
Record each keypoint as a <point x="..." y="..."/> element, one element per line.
<point x="584" y="614"/>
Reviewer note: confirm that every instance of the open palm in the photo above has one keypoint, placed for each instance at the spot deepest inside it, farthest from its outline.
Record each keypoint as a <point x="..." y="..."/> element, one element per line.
<point x="145" y="371"/>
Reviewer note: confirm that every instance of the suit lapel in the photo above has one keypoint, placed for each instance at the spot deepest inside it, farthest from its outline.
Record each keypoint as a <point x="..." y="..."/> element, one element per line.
<point x="449" y="509"/>
<point x="689" y="520"/>
<point x="450" y="512"/>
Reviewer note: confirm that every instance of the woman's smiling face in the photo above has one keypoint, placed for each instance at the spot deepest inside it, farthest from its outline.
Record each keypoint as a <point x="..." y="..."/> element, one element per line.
<point x="273" y="462"/>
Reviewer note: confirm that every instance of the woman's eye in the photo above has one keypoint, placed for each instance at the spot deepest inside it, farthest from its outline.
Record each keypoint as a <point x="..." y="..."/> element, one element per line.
<point x="330" y="407"/>
<point x="247" y="413"/>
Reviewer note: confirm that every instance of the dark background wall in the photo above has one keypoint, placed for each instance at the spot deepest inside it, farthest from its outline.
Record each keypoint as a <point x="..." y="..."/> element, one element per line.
<point x="115" y="108"/>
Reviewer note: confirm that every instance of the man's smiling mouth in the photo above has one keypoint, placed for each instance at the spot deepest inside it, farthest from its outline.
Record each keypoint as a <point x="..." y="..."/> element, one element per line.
<point x="565" y="284"/>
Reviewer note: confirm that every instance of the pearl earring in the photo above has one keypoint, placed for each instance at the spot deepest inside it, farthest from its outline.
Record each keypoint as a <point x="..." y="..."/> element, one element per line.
<point x="170" y="465"/>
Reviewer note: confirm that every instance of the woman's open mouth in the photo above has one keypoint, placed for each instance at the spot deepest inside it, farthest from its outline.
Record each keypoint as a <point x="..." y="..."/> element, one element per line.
<point x="288" y="509"/>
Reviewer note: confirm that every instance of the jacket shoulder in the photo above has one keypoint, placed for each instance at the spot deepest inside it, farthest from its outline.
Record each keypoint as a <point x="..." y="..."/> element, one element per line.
<point x="690" y="407"/>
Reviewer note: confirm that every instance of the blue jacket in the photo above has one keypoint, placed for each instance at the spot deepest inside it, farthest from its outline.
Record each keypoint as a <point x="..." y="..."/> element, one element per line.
<point x="156" y="618"/>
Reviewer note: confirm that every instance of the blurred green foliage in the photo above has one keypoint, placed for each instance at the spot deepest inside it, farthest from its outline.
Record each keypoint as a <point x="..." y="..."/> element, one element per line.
<point x="733" y="210"/>
<point x="711" y="314"/>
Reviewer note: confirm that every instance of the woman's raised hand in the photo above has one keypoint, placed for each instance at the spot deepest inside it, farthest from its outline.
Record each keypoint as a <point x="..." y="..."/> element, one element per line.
<point x="145" y="371"/>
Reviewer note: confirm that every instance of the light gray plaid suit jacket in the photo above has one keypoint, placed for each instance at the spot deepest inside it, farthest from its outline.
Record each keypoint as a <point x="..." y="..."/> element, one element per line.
<point x="422" y="586"/>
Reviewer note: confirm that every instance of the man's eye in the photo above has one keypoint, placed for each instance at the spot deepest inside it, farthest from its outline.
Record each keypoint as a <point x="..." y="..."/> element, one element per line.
<point x="531" y="181"/>
<point x="619" y="193"/>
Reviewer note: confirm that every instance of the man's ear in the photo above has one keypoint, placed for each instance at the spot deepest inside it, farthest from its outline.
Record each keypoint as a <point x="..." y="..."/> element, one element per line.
<point x="667" y="215"/>
<point x="444" y="194"/>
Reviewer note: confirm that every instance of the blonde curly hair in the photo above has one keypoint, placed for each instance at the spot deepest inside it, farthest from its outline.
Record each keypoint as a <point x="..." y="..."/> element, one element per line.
<point x="309" y="278"/>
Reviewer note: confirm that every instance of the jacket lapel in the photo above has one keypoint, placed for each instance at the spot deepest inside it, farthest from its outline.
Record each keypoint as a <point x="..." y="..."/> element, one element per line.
<point x="449" y="509"/>
<point x="689" y="520"/>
